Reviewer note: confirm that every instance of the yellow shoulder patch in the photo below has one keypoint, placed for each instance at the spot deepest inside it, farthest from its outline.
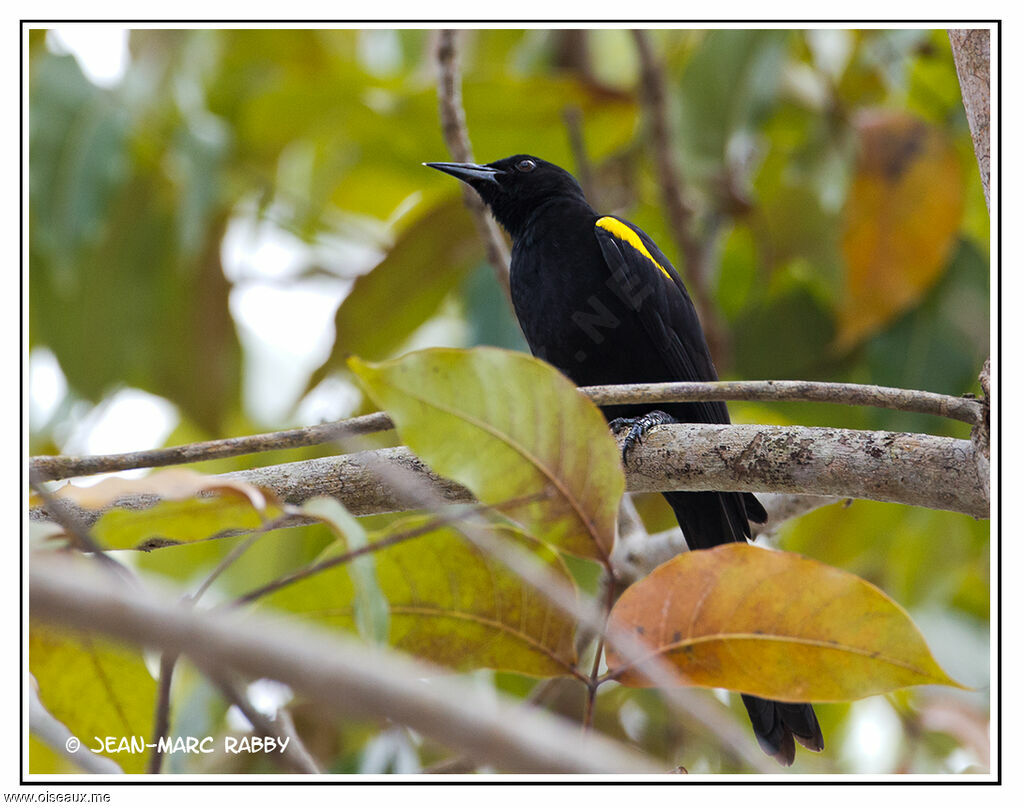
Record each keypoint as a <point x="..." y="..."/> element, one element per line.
<point x="627" y="234"/>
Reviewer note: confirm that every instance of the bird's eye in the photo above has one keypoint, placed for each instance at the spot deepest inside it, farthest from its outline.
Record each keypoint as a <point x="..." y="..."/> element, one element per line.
<point x="526" y="166"/>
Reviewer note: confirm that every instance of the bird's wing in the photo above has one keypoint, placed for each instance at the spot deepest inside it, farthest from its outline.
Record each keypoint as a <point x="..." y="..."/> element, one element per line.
<point x="648" y="284"/>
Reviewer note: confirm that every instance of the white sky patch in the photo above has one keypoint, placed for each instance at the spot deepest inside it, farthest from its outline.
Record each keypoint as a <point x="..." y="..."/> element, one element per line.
<point x="266" y="697"/>
<point x="260" y="249"/>
<point x="101" y="50"/>
<point x="331" y="400"/>
<point x="287" y="332"/>
<point x="285" y="314"/>
<point x="47" y="387"/>
<point x="128" y="421"/>
<point x="872" y="744"/>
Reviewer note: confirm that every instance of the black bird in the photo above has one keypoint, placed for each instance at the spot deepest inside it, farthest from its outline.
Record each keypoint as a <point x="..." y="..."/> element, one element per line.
<point x="597" y="299"/>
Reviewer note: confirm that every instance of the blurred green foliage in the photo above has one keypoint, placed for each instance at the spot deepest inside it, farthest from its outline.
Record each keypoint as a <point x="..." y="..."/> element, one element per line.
<point x="321" y="133"/>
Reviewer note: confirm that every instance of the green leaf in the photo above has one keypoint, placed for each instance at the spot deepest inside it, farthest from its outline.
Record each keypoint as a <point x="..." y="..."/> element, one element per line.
<point x="96" y="688"/>
<point x="77" y="141"/>
<point x="450" y="603"/>
<point x="725" y="87"/>
<point x="766" y="351"/>
<point x="776" y="625"/>
<point x="371" y="607"/>
<point x="508" y="426"/>
<point x="124" y="243"/>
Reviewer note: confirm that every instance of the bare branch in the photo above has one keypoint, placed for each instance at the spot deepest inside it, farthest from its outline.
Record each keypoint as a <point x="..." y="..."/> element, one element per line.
<point x="456" y="138"/>
<point x="922" y="470"/>
<point x="679" y="213"/>
<point x="968" y="410"/>
<point x="971" y="53"/>
<point x="61" y="467"/>
<point x="77" y="532"/>
<point x="573" y="118"/>
<point x="341" y="675"/>
<point x="162" y="719"/>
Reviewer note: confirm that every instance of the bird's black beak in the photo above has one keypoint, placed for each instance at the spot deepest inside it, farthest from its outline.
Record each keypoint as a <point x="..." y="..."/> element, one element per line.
<point x="468" y="172"/>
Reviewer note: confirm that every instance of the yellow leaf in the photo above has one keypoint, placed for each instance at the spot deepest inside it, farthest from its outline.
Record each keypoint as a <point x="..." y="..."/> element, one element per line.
<point x="450" y="603"/>
<point x="775" y="625"/>
<point x="192" y="507"/>
<point x="97" y="689"/>
<point x="901" y="219"/>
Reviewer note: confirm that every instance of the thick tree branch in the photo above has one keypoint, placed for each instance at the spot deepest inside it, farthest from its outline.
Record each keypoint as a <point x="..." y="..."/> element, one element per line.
<point x="456" y="138"/>
<point x="968" y="410"/>
<point x="341" y="675"/>
<point x="971" y="53"/>
<point x="922" y="470"/>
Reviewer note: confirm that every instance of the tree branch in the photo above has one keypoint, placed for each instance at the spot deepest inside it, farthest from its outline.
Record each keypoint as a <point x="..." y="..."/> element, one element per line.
<point x="971" y="53"/>
<point x="679" y="213"/>
<point x="456" y="138"/>
<point x="922" y="470"/>
<point x="968" y="410"/>
<point x="339" y="674"/>
<point x="61" y="467"/>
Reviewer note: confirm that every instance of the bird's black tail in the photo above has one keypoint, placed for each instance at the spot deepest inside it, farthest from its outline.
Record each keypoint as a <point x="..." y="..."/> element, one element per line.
<point x="709" y="518"/>
<point x="777" y="723"/>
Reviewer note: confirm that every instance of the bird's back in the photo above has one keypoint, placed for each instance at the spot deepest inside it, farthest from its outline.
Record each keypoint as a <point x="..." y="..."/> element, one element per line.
<point x="573" y="314"/>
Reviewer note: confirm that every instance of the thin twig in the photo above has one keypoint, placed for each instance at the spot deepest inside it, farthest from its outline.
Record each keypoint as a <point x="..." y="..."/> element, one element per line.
<point x="74" y="527"/>
<point x="162" y="720"/>
<point x="573" y="118"/>
<point x="611" y="591"/>
<point x="679" y="213"/>
<point x="968" y="410"/>
<point x="456" y="138"/>
<point x="228" y="560"/>
<point x="61" y="467"/>
<point x="427" y="527"/>
<point x="295" y="752"/>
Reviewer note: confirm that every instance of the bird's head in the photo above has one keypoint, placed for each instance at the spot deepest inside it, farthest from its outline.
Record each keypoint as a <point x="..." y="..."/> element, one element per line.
<point x="515" y="187"/>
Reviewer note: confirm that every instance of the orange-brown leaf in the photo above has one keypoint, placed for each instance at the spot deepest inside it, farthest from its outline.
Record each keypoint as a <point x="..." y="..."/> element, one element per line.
<point x="900" y="221"/>
<point x="773" y="624"/>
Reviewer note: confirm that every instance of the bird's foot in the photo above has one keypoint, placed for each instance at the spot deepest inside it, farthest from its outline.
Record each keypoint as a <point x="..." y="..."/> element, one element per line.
<point x="638" y="427"/>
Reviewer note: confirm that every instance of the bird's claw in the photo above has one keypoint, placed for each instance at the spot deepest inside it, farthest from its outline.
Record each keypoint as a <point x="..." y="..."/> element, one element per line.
<point x="638" y="427"/>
